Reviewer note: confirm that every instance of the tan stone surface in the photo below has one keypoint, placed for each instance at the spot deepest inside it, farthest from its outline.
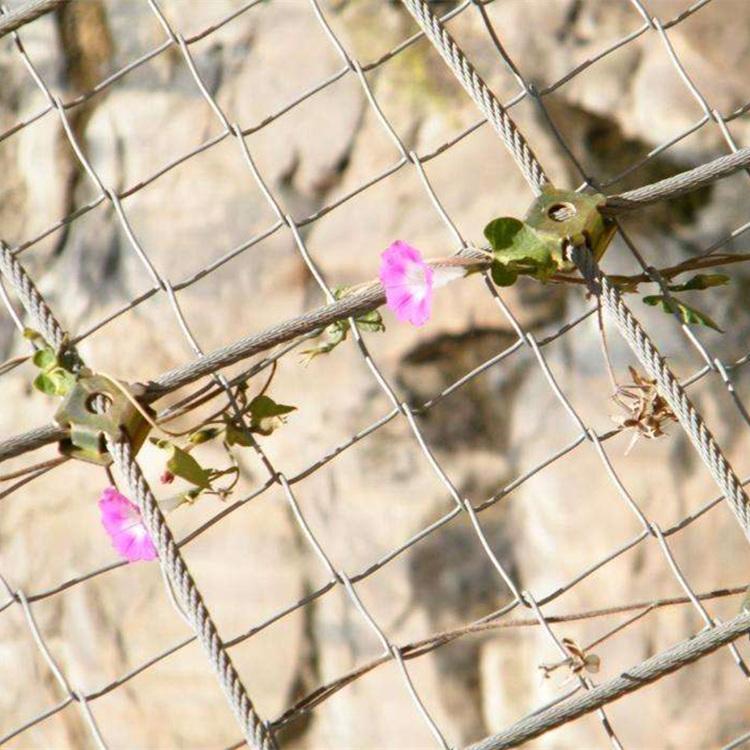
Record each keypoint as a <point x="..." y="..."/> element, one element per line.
<point x="378" y="493"/>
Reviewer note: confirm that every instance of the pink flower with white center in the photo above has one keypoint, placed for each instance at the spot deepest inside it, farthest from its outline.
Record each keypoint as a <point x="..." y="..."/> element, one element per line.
<point x="408" y="283"/>
<point x="122" y="521"/>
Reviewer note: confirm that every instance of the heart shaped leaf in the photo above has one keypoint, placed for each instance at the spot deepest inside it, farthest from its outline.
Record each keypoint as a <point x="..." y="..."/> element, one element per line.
<point x="519" y="249"/>
<point x="700" y="281"/>
<point x="266" y="415"/>
<point x="687" y="314"/>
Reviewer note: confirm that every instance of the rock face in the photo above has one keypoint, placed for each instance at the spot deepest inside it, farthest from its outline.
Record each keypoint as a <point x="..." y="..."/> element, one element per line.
<point x="343" y="179"/>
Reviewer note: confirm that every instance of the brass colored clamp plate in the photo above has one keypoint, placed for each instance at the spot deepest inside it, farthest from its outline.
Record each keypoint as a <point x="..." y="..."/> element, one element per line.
<point x="88" y="428"/>
<point x="564" y="216"/>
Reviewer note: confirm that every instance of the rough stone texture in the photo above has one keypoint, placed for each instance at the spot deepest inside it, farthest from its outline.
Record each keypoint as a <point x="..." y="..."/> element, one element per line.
<point x="378" y="493"/>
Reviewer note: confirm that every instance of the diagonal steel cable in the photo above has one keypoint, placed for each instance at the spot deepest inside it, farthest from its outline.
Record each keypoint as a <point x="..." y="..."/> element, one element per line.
<point x="639" y="32"/>
<point x="479" y="91"/>
<point x="689" y="418"/>
<point x="26" y="13"/>
<point x="629" y="327"/>
<point x="669" y="386"/>
<point x="352" y="305"/>
<point x="189" y="597"/>
<point x="632" y="679"/>
<point x="42" y="318"/>
<point x="684" y="182"/>
<point x="170" y="558"/>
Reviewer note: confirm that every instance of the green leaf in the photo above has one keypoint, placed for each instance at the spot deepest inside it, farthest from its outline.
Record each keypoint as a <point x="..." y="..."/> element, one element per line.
<point x="340" y="291"/>
<point x="32" y="335"/>
<point x="371" y="321"/>
<point x="236" y="436"/>
<point x="266" y="415"/>
<point x="501" y="233"/>
<point x="337" y="332"/>
<point x="700" y="281"/>
<point x="204" y="435"/>
<point x="503" y="275"/>
<point x="687" y="314"/>
<point x="521" y="250"/>
<point x="168" y="504"/>
<point x="265" y="406"/>
<point x="45" y="384"/>
<point x="64" y="380"/>
<point x="54" y="381"/>
<point x="44" y="358"/>
<point x="183" y="465"/>
<point x="334" y="334"/>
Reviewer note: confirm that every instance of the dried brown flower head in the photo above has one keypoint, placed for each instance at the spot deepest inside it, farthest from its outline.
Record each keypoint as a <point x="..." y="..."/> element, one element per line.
<point x="578" y="660"/>
<point x="647" y="411"/>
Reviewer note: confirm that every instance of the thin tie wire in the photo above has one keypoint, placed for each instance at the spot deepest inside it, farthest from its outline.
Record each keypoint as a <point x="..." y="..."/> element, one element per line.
<point x="585" y="683"/>
<point x="690" y="419"/>
<point x="185" y="374"/>
<point x="57" y="671"/>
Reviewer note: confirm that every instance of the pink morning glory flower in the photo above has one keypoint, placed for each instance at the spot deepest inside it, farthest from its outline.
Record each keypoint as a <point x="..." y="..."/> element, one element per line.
<point x="408" y="283"/>
<point x="409" y="280"/>
<point x="122" y="521"/>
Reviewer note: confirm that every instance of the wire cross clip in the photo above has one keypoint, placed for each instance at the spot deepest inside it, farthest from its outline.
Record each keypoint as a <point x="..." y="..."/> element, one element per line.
<point x="567" y="217"/>
<point x="89" y="428"/>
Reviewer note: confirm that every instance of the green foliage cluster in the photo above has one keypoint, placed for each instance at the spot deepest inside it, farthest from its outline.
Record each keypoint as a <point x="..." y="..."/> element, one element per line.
<point x="337" y="332"/>
<point x="519" y="250"/>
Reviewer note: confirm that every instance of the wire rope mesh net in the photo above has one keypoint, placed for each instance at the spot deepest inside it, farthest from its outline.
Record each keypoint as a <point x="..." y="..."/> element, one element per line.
<point x="447" y="504"/>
